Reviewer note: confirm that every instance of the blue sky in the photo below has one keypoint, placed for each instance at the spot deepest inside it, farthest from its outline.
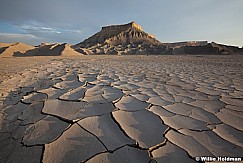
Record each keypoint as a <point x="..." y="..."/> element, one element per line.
<point x="33" y="22"/>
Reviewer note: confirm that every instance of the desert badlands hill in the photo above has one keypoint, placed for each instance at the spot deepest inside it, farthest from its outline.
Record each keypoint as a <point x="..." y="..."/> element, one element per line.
<point x="24" y="50"/>
<point x="60" y="103"/>
<point x="119" y="39"/>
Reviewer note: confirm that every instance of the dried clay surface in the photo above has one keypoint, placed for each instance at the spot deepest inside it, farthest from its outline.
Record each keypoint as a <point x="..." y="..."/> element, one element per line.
<point x="120" y="108"/>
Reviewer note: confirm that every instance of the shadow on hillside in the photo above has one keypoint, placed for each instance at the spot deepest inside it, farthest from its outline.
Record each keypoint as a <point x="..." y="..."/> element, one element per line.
<point x="47" y="50"/>
<point x="2" y="49"/>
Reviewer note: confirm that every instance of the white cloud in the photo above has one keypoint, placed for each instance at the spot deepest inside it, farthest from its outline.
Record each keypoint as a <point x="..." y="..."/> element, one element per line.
<point x="38" y="29"/>
<point x="16" y="36"/>
<point x="72" y="30"/>
<point x="25" y="38"/>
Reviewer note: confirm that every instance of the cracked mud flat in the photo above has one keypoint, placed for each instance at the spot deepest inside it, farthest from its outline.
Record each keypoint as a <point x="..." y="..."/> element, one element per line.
<point x="120" y="108"/>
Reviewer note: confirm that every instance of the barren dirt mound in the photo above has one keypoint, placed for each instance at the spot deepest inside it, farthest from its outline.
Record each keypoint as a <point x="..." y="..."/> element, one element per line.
<point x="14" y="49"/>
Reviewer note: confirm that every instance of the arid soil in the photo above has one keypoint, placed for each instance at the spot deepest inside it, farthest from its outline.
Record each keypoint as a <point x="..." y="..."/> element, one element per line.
<point x="120" y="108"/>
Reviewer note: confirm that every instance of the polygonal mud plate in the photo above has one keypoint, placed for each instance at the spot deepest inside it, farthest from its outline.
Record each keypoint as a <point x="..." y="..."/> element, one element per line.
<point x="124" y="154"/>
<point x="130" y="103"/>
<point x="106" y="130"/>
<point x="143" y="126"/>
<point x="74" y="145"/>
<point x="44" y="131"/>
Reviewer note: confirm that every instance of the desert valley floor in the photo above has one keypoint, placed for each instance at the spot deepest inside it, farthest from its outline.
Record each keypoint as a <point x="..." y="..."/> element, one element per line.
<point x="120" y="108"/>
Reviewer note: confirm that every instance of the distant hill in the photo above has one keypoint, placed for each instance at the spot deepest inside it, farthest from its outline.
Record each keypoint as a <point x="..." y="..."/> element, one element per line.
<point x="115" y="35"/>
<point x="131" y="39"/>
<point x="122" y="39"/>
<point x="8" y="50"/>
<point x="23" y="50"/>
<point x="226" y="49"/>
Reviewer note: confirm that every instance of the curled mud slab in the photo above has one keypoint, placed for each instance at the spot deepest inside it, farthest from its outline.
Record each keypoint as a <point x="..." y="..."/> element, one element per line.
<point x="120" y="108"/>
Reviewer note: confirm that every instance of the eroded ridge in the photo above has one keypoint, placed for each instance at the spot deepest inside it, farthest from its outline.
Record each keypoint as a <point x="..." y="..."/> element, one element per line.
<point x="131" y="109"/>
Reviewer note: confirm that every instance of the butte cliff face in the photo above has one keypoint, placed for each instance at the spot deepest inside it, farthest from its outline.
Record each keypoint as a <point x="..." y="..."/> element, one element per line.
<point x="131" y="39"/>
<point x="122" y="39"/>
<point x="115" y="35"/>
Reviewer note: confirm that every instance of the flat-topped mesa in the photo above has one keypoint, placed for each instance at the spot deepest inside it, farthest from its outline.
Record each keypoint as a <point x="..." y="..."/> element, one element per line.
<point x="122" y="27"/>
<point x="115" y="35"/>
